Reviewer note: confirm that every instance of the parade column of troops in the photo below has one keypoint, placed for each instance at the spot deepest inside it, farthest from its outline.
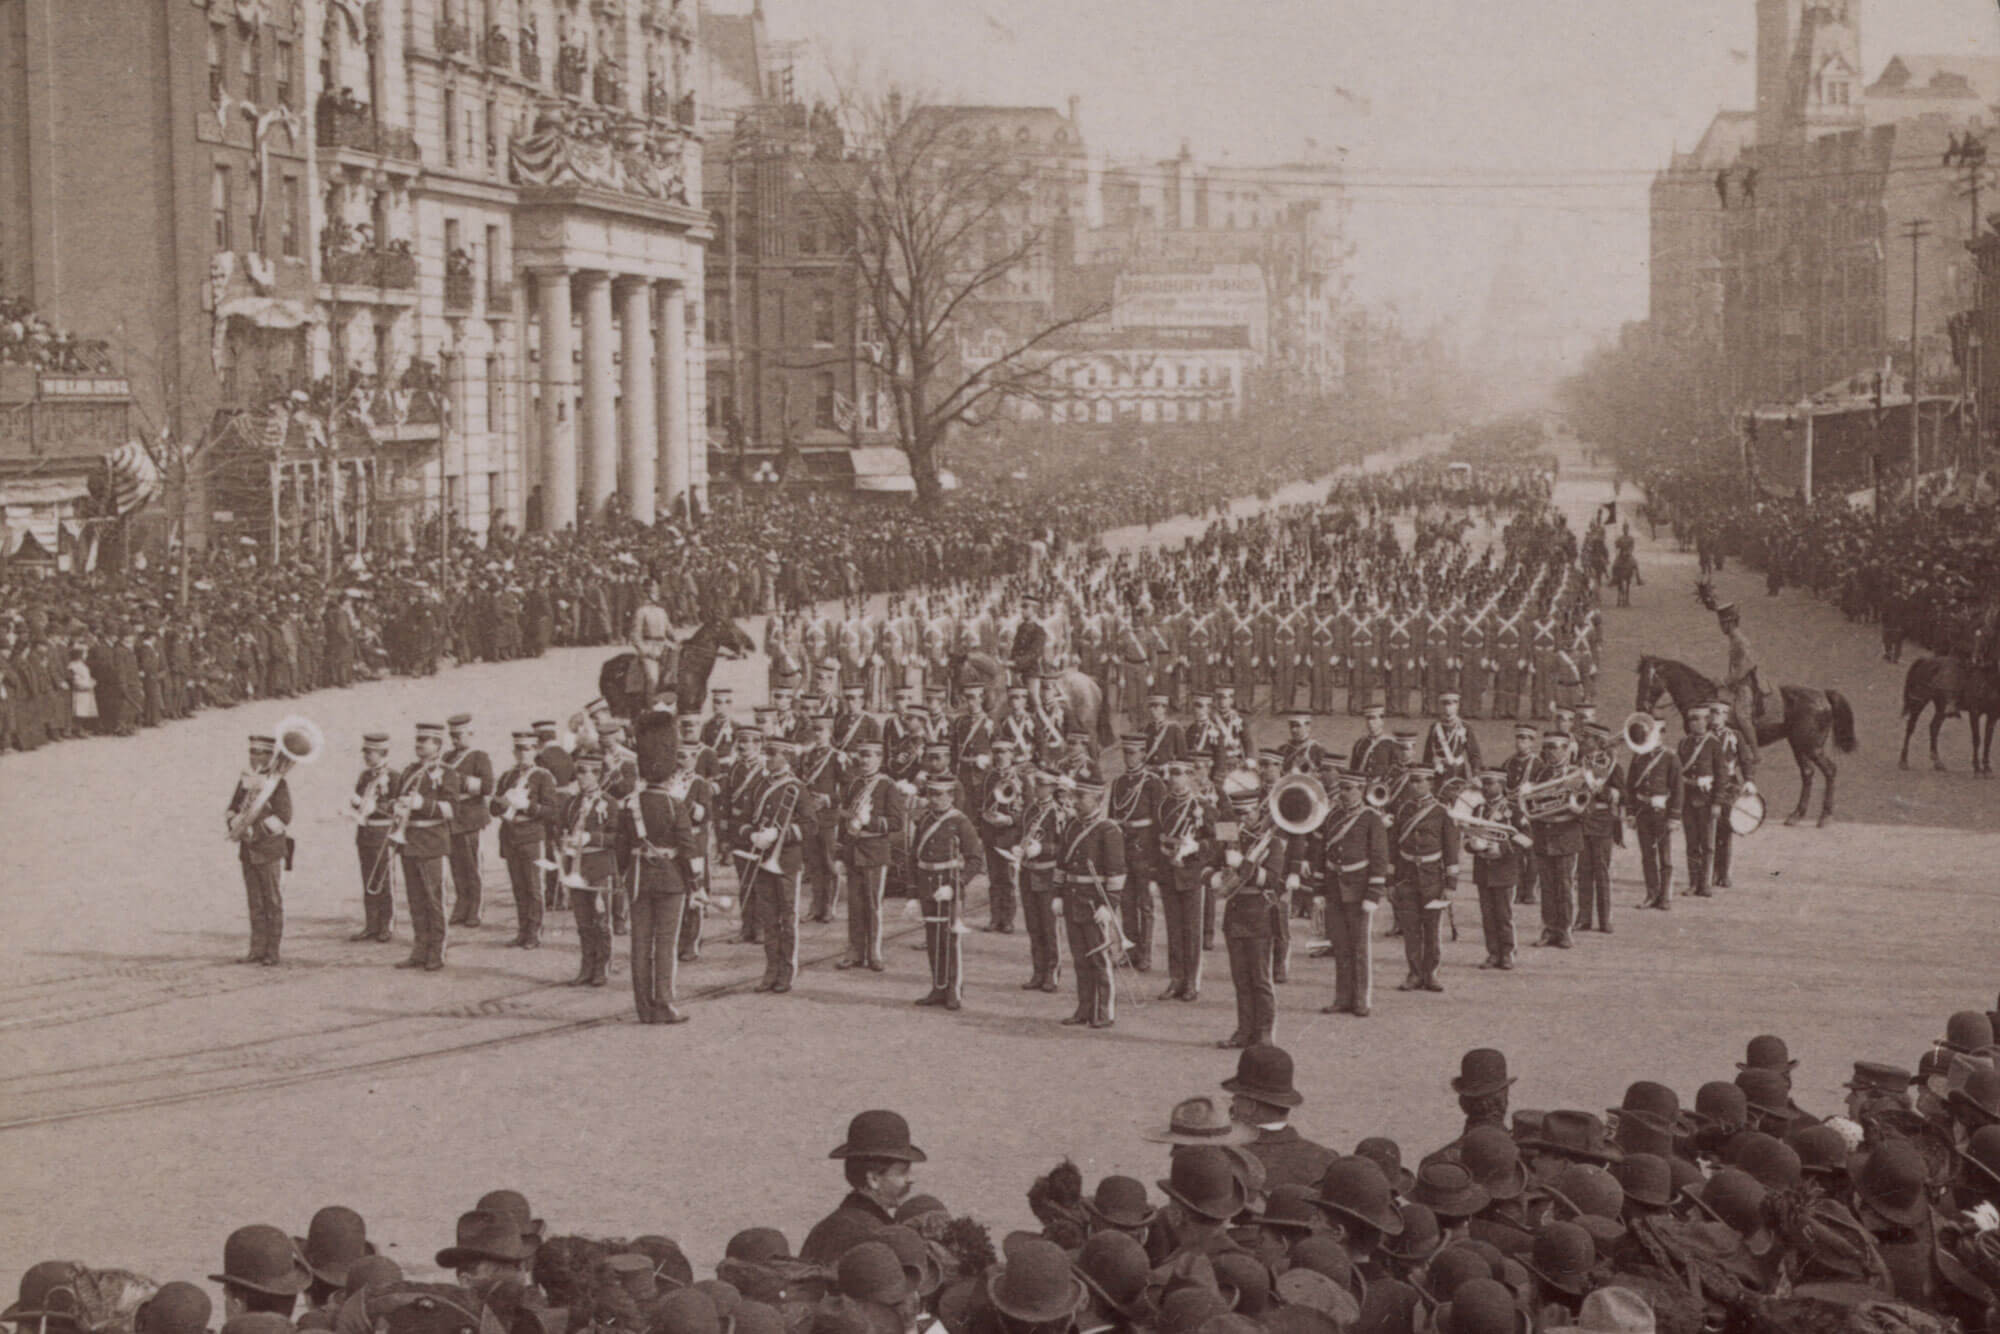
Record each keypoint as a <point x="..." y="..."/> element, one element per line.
<point x="643" y="833"/>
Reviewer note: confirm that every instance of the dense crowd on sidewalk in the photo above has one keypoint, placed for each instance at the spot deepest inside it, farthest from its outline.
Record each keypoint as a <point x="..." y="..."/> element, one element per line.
<point x="1739" y="1211"/>
<point x="1925" y="575"/>
<point x="111" y="653"/>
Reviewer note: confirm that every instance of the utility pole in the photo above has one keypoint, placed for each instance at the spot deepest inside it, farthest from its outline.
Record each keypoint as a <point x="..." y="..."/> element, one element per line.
<point x="1916" y="231"/>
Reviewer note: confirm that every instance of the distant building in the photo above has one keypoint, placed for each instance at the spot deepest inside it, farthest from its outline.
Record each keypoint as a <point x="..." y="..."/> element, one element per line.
<point x="1686" y="204"/>
<point x="1964" y="90"/>
<point x="386" y="260"/>
<point x="1106" y="376"/>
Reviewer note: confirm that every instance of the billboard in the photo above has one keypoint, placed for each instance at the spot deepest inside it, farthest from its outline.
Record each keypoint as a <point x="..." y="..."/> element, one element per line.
<point x="1219" y="294"/>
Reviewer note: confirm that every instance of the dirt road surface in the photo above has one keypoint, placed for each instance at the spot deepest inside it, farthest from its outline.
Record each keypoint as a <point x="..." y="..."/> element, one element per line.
<point x="153" y="1094"/>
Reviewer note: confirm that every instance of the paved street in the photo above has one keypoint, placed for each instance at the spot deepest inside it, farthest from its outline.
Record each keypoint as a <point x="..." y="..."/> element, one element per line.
<point x="202" y="1094"/>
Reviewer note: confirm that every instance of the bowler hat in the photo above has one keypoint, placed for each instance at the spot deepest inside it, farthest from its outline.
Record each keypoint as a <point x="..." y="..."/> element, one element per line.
<point x="879" y="1134"/>
<point x="1774" y="1164"/>
<point x="1186" y="1309"/>
<point x="1264" y="1072"/>
<point x="685" y="1311"/>
<point x="1480" y="1306"/>
<point x="1449" y="1189"/>
<point x="1646" y="1179"/>
<point x="1113" y="1266"/>
<point x="756" y="1318"/>
<point x="1304" y="1288"/>
<point x="1734" y="1197"/>
<point x="1200" y="1120"/>
<point x="1391" y="1306"/>
<point x="334" y="1240"/>
<point x="1562" y="1257"/>
<point x="1243" y="1280"/>
<point x="871" y="1272"/>
<point x="1121" y="1202"/>
<point x="48" y="1293"/>
<point x="261" y="1258"/>
<point x="1614" y="1310"/>
<point x="1968" y="1032"/>
<point x="1767" y="1051"/>
<point x="1453" y="1267"/>
<point x="1655" y="1105"/>
<point x="371" y="1271"/>
<point x="1386" y="1154"/>
<point x="257" y="1322"/>
<point x="920" y="1264"/>
<point x="1481" y="1071"/>
<point x="485" y="1235"/>
<point x="1494" y="1160"/>
<point x="1821" y="1149"/>
<point x="177" y="1308"/>
<point x="1421" y="1233"/>
<point x="726" y="1295"/>
<point x="1721" y="1105"/>
<point x="1356" y="1189"/>
<point x="670" y="1263"/>
<point x="1203" y="1181"/>
<point x="1288" y="1208"/>
<point x="1890" y="1180"/>
<point x="1035" y="1283"/>
<point x="1591" y="1198"/>
<point x="1976" y="1102"/>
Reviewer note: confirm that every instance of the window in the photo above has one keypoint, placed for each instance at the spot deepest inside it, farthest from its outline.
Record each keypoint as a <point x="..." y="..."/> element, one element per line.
<point x="286" y="54"/>
<point x="822" y="316"/>
<point x="471" y="136"/>
<point x="450" y="128"/>
<point x="253" y="68"/>
<point x="218" y="76"/>
<point x="496" y="399"/>
<point x="496" y="273"/>
<point x="715" y="317"/>
<point x="823" y="401"/>
<point x="288" y="225"/>
<point x="809" y="235"/>
<point x="721" y="400"/>
<point x="492" y="134"/>
<point x="452" y="238"/>
<point x="493" y="492"/>
<point x="219" y="205"/>
<point x="385" y="339"/>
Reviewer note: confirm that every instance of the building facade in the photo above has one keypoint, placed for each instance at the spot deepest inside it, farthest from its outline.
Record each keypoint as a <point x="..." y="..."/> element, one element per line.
<point x="410" y="258"/>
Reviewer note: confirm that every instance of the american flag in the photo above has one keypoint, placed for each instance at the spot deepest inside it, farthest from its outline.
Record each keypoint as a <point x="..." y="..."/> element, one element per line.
<point x="135" y="478"/>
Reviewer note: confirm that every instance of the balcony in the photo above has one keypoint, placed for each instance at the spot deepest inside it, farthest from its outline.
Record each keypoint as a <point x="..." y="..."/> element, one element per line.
<point x="498" y="51"/>
<point x="393" y="270"/>
<point x="605" y="86"/>
<point x="451" y="38"/>
<point x="352" y="126"/>
<point x="458" y="291"/>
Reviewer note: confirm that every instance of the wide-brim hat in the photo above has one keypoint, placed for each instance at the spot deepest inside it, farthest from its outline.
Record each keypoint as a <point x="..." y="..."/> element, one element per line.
<point x="1448" y="1189"/>
<point x="1121" y="1214"/>
<point x="48" y="1293"/>
<point x="1226" y="1198"/>
<point x="256" y="1248"/>
<point x="486" y="1234"/>
<point x="1199" y="1120"/>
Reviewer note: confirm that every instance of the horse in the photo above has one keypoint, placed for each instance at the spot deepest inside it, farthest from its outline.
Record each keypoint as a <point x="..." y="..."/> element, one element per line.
<point x="1933" y="682"/>
<point x="1083" y="697"/>
<point x="621" y="681"/>
<point x="1810" y="716"/>
<point x="1624" y="569"/>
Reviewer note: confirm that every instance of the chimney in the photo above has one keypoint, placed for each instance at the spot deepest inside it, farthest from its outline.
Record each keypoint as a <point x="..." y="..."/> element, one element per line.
<point x="1075" y="120"/>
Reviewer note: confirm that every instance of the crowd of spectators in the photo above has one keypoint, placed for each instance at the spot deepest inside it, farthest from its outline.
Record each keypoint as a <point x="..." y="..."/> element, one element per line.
<point x="1737" y="1212"/>
<point x="1927" y="575"/>
<point x="29" y="339"/>
<point x="114" y="651"/>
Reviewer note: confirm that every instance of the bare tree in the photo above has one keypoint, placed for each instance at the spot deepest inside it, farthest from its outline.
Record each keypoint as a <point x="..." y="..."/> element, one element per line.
<point x="941" y="224"/>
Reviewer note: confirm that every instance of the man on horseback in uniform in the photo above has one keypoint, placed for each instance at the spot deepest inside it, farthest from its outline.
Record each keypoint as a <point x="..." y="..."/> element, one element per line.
<point x="652" y="638"/>
<point x="1741" y="685"/>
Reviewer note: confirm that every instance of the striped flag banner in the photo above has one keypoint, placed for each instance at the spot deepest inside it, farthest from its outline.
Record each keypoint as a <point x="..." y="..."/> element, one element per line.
<point x="135" y="478"/>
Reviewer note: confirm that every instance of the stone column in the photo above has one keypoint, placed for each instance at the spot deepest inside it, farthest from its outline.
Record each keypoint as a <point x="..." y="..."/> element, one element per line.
<point x="676" y="447"/>
<point x="557" y="431"/>
<point x="600" y="427"/>
<point x="636" y="442"/>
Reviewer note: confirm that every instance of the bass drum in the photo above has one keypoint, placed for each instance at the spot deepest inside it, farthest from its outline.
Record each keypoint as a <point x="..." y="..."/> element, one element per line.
<point x="1746" y="814"/>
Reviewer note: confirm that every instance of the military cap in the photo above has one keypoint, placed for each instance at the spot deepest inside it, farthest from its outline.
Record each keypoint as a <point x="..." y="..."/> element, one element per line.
<point x="1423" y="771"/>
<point x="1085" y="789"/>
<point x="1202" y="697"/>
<point x="543" y="725"/>
<point x="258" y="742"/>
<point x="1132" y="739"/>
<point x="1697" y="711"/>
<point x="1017" y="692"/>
<point x="1879" y="1077"/>
<point x="526" y="737"/>
<point x="941" y="787"/>
<point x="1075" y="734"/>
<point x="430" y="730"/>
<point x="1526" y="730"/>
<point x="1449" y="697"/>
<point x="1299" y="716"/>
<point x="377" y="740"/>
<point x="1375" y="711"/>
<point x="459" y="720"/>
<point x="779" y="746"/>
<point x="1160" y="700"/>
<point x="588" y="759"/>
<point x="1179" y="769"/>
<point x="749" y="731"/>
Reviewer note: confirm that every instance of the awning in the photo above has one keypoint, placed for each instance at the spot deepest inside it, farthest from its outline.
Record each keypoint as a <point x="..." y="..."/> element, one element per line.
<point x="268" y="312"/>
<point x="37" y="505"/>
<point x="42" y="490"/>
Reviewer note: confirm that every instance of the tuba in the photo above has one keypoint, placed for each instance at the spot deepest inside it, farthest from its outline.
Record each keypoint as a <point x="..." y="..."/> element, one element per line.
<point x="299" y="742"/>
<point x="1298" y="804"/>
<point x="1643" y="733"/>
<point x="1005" y="799"/>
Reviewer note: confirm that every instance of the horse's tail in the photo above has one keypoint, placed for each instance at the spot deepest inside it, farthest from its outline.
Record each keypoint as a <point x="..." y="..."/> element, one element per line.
<point x="1843" y="722"/>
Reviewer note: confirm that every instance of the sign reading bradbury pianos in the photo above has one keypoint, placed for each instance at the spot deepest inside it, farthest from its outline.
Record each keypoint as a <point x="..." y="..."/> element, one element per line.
<point x="1220" y="294"/>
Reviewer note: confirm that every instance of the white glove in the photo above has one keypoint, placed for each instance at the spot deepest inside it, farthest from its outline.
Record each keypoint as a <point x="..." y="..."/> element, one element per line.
<point x="697" y="865"/>
<point x="982" y="762"/>
<point x="1704" y="782"/>
<point x="1233" y="858"/>
<point x="763" y="838"/>
<point x="472" y="786"/>
<point x="1370" y="905"/>
<point x="1292" y="880"/>
<point x="943" y="894"/>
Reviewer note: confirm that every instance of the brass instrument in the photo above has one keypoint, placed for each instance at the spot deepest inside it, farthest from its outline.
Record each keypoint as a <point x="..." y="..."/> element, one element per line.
<point x="1643" y="733"/>
<point x="1180" y="842"/>
<point x="1378" y="794"/>
<point x="1450" y="790"/>
<point x="1233" y="878"/>
<point x="362" y="804"/>
<point x="1298" y="804"/>
<point x="864" y="809"/>
<point x="299" y="741"/>
<point x="1484" y="836"/>
<point x="770" y="861"/>
<point x="1565" y="796"/>
<point x="1005" y="799"/>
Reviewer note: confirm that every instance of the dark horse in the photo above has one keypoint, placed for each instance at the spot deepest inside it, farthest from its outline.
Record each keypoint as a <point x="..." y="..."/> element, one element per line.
<point x="1810" y="717"/>
<point x="1933" y="683"/>
<point x="622" y="682"/>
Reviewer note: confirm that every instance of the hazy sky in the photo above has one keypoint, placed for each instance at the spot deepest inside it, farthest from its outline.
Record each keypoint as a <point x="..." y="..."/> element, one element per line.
<point x="1444" y="106"/>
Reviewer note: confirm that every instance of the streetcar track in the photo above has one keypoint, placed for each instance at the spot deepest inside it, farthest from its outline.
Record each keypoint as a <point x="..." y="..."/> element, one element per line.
<point x="286" y="1070"/>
